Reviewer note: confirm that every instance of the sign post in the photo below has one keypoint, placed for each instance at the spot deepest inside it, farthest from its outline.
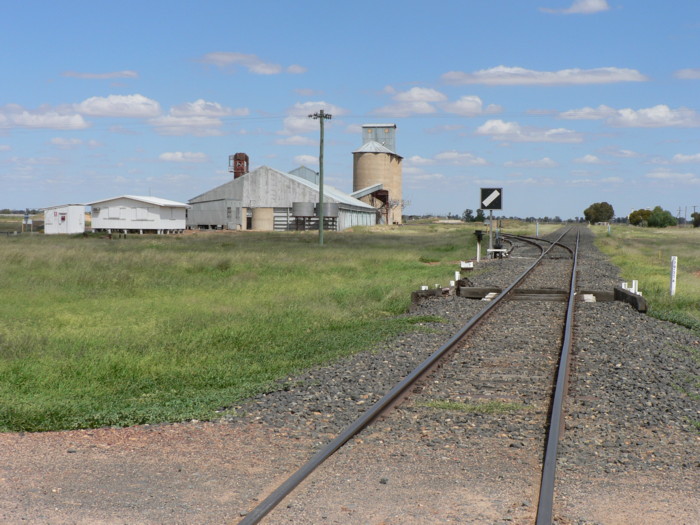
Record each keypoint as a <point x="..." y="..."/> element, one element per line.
<point x="491" y="199"/>
<point x="674" y="271"/>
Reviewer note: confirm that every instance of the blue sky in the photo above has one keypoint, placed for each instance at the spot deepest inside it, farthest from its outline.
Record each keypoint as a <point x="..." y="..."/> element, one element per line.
<point x="562" y="103"/>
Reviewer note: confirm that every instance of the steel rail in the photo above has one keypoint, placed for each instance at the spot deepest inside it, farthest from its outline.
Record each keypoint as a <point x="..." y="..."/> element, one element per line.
<point x="535" y="240"/>
<point x="389" y="399"/>
<point x="545" y="505"/>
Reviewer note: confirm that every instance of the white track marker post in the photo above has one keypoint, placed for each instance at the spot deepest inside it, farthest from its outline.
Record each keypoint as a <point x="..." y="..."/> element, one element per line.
<point x="674" y="271"/>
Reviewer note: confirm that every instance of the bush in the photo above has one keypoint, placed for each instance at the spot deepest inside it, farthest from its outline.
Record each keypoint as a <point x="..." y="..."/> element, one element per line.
<point x="661" y="218"/>
<point x="639" y="217"/>
<point x="696" y="219"/>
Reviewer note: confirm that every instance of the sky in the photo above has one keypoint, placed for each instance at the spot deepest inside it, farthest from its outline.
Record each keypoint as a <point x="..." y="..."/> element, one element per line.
<point x="561" y="103"/>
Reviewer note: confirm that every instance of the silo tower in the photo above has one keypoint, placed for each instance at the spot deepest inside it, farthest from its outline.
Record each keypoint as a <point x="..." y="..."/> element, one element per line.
<point x="377" y="178"/>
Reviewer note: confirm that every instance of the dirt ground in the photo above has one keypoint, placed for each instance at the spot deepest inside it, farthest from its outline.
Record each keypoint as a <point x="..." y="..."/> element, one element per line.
<point x="213" y="473"/>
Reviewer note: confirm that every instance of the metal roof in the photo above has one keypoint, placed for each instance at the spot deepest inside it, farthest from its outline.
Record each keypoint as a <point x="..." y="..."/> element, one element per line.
<point x="61" y="206"/>
<point x="373" y="147"/>
<point x="157" y="201"/>
<point x="366" y="191"/>
<point x="330" y="191"/>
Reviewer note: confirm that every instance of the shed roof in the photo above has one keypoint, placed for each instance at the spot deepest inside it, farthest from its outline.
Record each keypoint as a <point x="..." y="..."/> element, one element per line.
<point x="366" y="191"/>
<point x="61" y="206"/>
<point x="157" y="201"/>
<point x="329" y="191"/>
<point x="332" y="192"/>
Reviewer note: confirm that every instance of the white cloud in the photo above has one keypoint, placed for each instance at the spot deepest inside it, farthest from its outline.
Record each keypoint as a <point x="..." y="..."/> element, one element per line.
<point x="655" y="117"/>
<point x="417" y="94"/>
<point x="66" y="143"/>
<point x="513" y="132"/>
<point x="470" y="106"/>
<point x="544" y="162"/>
<point x="197" y="126"/>
<point x="183" y="156"/>
<point x="5" y="147"/>
<point x="131" y="106"/>
<point x="669" y="176"/>
<point x="622" y="153"/>
<point x="460" y="159"/>
<point x="406" y="109"/>
<point x="417" y="160"/>
<point x="503" y="76"/>
<point x="601" y="112"/>
<point x="306" y="160"/>
<point x="423" y="101"/>
<point x="680" y="158"/>
<point x="613" y="180"/>
<point x="415" y="101"/>
<point x="13" y="115"/>
<point x="580" y="7"/>
<point x="253" y="63"/>
<point x="200" y="118"/>
<point x="202" y="108"/>
<point x="688" y="74"/>
<point x="101" y="76"/>
<point x="296" y="140"/>
<point x="588" y="159"/>
<point x="298" y="121"/>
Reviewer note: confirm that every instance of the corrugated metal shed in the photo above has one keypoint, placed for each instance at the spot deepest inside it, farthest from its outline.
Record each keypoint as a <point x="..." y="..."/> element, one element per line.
<point x="230" y="204"/>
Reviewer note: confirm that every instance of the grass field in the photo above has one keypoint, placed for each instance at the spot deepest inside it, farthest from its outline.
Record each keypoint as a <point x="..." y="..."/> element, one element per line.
<point x="149" y="329"/>
<point x="645" y="254"/>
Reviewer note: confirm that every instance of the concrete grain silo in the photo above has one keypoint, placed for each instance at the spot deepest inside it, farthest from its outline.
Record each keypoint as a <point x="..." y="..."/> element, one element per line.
<point x="377" y="177"/>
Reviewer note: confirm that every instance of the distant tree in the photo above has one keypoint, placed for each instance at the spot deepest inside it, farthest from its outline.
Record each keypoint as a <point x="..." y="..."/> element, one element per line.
<point x="599" y="212"/>
<point x="468" y="215"/>
<point x="661" y="218"/>
<point x="639" y="217"/>
<point x="479" y="216"/>
<point x="696" y="219"/>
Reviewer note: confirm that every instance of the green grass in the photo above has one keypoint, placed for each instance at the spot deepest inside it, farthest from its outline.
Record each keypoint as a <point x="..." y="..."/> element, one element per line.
<point x="644" y="254"/>
<point x="480" y="407"/>
<point x="150" y="329"/>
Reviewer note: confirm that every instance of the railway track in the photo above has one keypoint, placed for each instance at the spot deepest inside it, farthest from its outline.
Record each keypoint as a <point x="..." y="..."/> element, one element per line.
<point x="489" y="365"/>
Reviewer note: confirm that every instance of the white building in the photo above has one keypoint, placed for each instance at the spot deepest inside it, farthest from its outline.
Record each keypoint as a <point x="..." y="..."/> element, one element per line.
<point x="134" y="214"/>
<point x="267" y="199"/>
<point x="65" y="219"/>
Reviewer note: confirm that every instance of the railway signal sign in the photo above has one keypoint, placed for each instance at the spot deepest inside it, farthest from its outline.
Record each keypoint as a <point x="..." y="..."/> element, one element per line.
<point x="491" y="198"/>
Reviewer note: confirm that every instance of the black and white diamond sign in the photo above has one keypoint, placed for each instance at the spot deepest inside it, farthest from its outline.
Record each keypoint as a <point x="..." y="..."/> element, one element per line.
<point x="491" y="198"/>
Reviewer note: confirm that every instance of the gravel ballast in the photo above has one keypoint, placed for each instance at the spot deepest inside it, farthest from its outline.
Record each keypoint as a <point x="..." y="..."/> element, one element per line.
<point x="632" y="408"/>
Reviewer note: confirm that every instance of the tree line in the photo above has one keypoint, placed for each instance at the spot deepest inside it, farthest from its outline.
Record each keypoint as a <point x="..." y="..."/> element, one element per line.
<point x="654" y="218"/>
